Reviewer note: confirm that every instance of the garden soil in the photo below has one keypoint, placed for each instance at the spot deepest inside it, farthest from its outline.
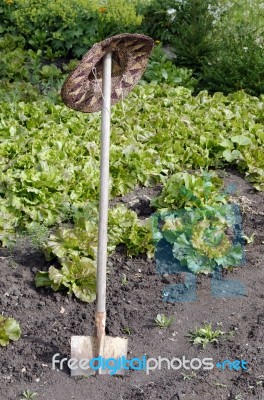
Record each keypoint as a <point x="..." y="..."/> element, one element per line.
<point x="48" y="320"/>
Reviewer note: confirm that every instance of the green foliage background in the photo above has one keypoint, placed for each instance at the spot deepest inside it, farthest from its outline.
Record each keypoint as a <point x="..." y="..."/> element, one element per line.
<point x="221" y="41"/>
<point x="67" y="27"/>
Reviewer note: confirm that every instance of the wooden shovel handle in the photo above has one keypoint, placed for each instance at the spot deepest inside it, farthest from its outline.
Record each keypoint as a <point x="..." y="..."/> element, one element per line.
<point x="100" y="318"/>
<point x="104" y="187"/>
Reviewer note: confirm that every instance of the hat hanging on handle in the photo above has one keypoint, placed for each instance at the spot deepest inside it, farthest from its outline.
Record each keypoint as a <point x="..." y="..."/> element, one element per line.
<point x="82" y="90"/>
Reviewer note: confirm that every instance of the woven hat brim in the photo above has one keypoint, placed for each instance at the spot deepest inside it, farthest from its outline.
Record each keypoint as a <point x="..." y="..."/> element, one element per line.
<point x="82" y="90"/>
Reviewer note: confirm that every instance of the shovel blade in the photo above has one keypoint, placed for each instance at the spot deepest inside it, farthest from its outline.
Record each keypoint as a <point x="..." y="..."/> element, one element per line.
<point x="84" y="348"/>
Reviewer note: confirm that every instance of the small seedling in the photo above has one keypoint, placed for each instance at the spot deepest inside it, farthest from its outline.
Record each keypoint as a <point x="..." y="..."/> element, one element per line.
<point x="188" y="377"/>
<point x="27" y="394"/>
<point x="231" y="333"/>
<point x="38" y="234"/>
<point x="204" y="335"/>
<point x="12" y="264"/>
<point x="249" y="239"/>
<point x="162" y="321"/>
<point x="124" y="280"/>
<point x="127" y="330"/>
<point x="238" y="397"/>
<point x="221" y="385"/>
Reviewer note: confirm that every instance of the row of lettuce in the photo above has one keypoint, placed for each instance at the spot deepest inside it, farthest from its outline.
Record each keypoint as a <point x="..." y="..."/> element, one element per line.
<point x="49" y="159"/>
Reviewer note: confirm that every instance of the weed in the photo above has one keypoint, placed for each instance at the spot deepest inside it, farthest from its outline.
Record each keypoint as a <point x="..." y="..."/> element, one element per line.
<point x="221" y="385"/>
<point x="238" y="397"/>
<point x="128" y="330"/>
<point x="28" y="394"/>
<point x="204" y="335"/>
<point x="162" y="321"/>
<point x="38" y="234"/>
<point x="249" y="239"/>
<point x="124" y="280"/>
<point x="188" y="377"/>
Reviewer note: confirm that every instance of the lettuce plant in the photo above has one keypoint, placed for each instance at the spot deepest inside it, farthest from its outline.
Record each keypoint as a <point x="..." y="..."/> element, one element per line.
<point x="75" y="248"/>
<point x="9" y="330"/>
<point x="78" y="275"/>
<point x="195" y="218"/>
<point x="199" y="238"/>
<point x="184" y="190"/>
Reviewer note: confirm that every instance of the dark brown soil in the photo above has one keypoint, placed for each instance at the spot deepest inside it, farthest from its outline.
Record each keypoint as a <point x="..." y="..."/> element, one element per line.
<point x="46" y="329"/>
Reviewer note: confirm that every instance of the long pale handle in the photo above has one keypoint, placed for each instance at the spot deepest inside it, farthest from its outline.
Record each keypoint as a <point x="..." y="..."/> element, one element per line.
<point x="104" y="189"/>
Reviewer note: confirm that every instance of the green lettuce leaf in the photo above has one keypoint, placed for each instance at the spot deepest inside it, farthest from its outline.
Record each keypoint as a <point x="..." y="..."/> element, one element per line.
<point x="9" y="330"/>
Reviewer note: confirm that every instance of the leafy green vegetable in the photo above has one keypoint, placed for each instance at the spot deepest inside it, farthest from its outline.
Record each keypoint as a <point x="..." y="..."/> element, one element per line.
<point x="69" y="242"/>
<point x="209" y="238"/>
<point x="162" y="70"/>
<point x="42" y="279"/>
<point x="199" y="239"/>
<point x="9" y="330"/>
<point x="126" y="228"/>
<point x="186" y="190"/>
<point x="77" y="275"/>
<point x="8" y="223"/>
<point x="76" y="249"/>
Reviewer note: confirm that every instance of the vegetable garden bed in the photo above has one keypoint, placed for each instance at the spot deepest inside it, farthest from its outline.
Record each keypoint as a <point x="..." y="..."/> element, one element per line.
<point x="198" y="112"/>
<point x="48" y="319"/>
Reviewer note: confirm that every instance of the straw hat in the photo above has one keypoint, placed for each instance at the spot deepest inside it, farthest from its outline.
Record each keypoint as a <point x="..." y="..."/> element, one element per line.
<point x="82" y="90"/>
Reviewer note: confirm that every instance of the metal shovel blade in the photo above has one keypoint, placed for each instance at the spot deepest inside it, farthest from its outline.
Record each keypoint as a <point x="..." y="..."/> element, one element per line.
<point x="85" y="348"/>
